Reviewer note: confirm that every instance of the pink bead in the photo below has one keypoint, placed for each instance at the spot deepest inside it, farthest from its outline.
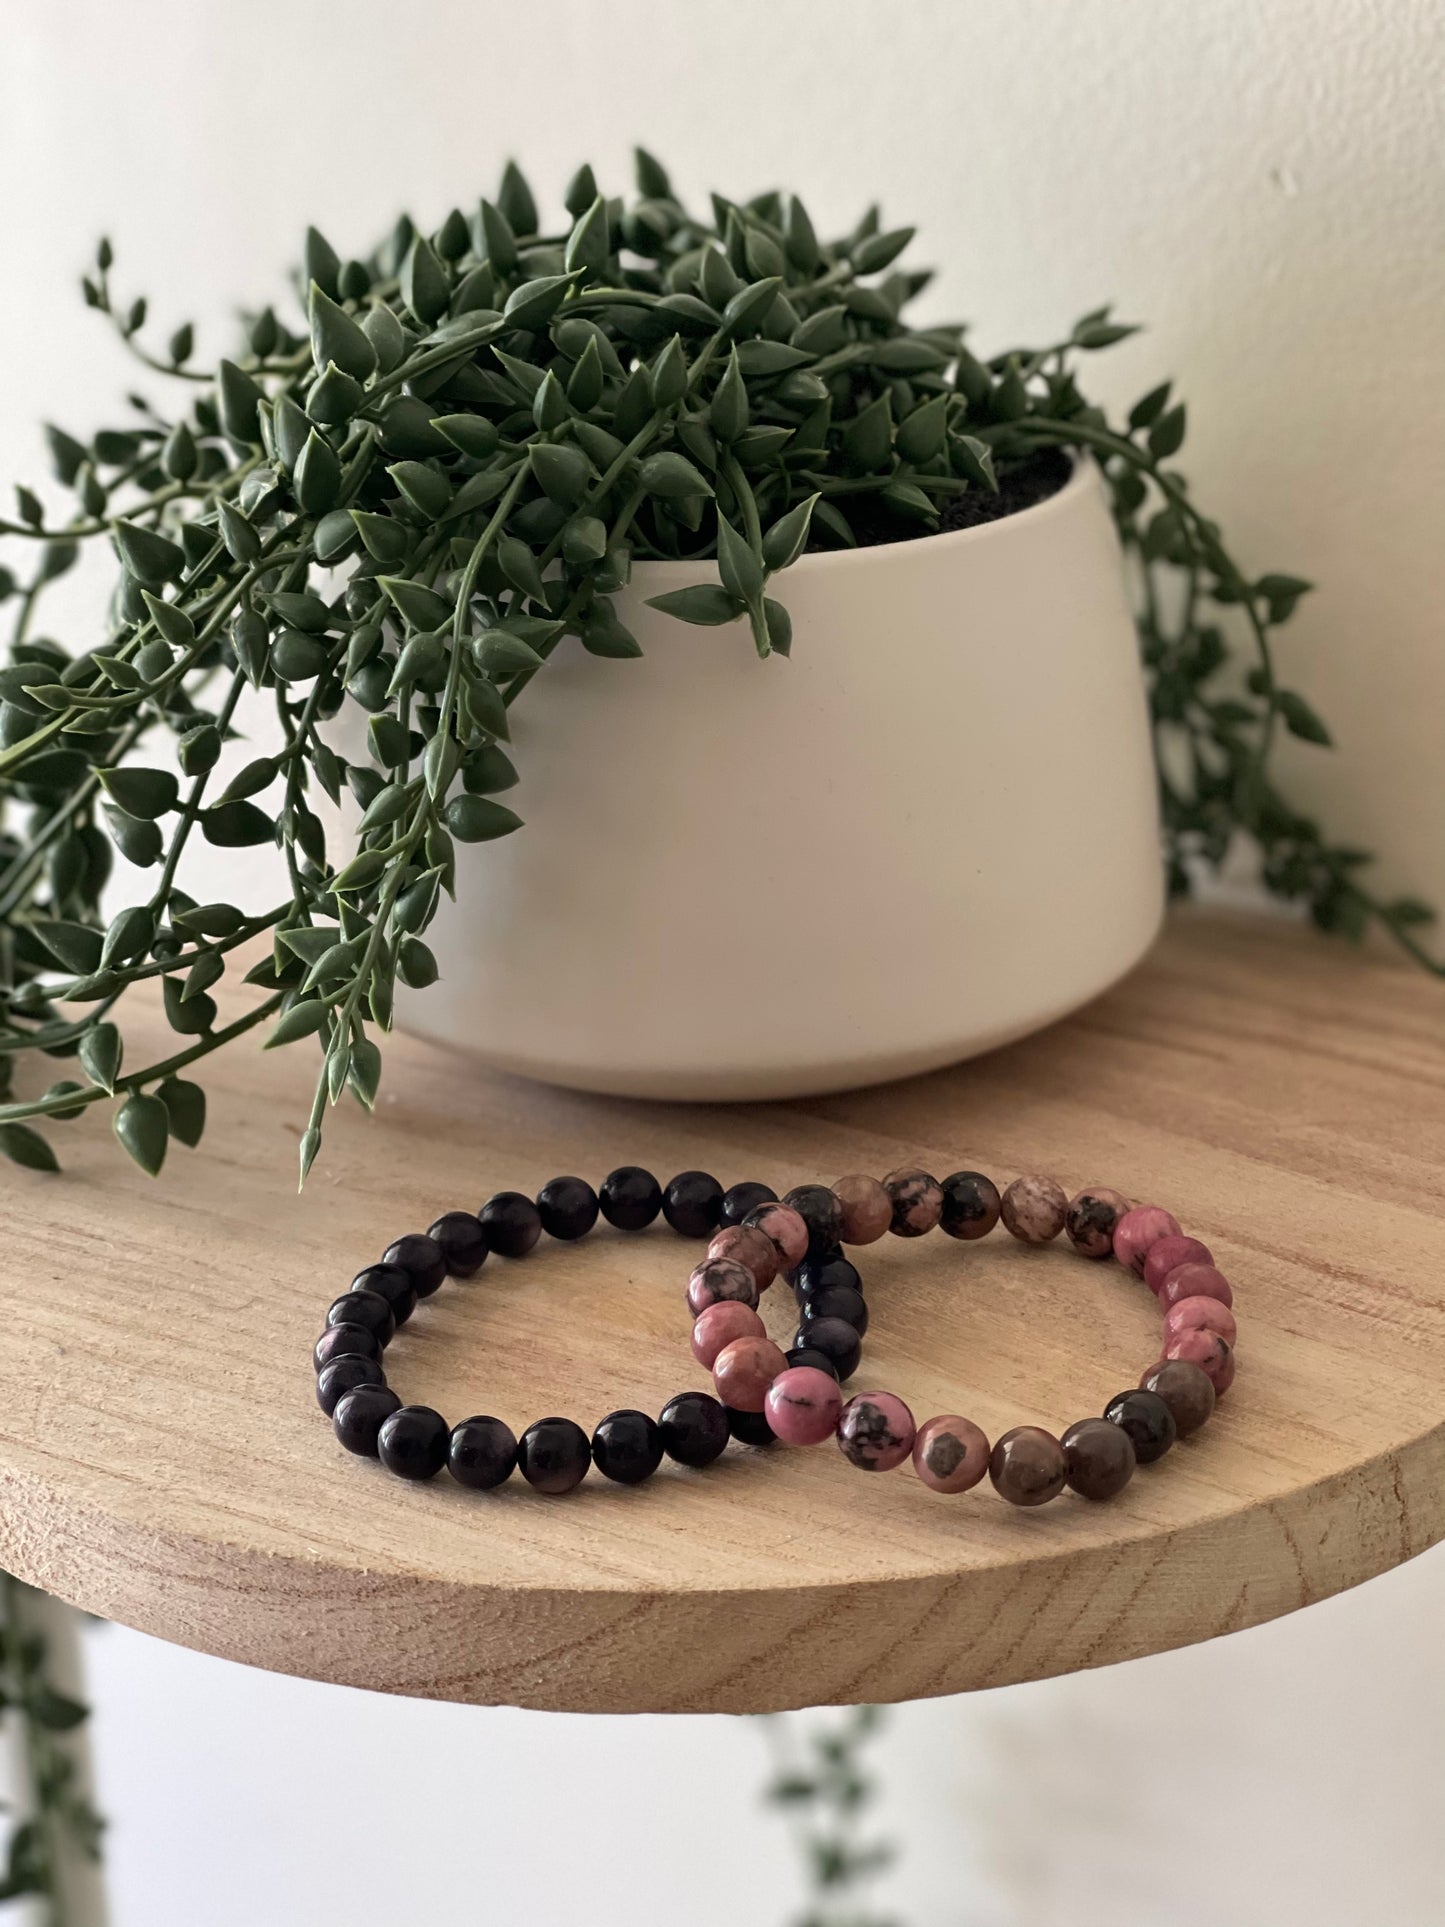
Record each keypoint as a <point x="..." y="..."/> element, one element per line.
<point x="1212" y="1354"/>
<point x="1194" y="1281"/>
<point x="803" y="1405"/>
<point x="743" y="1371"/>
<point x="867" y="1209"/>
<point x="1091" y="1218"/>
<point x="950" y="1454"/>
<point x="1166" y="1253"/>
<point x="719" y="1325"/>
<point x="746" y="1245"/>
<point x="876" y="1431"/>
<point x="1200" y="1314"/>
<point x="716" y="1279"/>
<point x="1137" y="1230"/>
<point x="786" y="1230"/>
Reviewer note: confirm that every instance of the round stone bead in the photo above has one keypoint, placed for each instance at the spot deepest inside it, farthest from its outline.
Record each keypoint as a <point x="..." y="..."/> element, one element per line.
<point x="1034" y="1209"/>
<point x="1027" y="1466"/>
<point x="367" y="1308"/>
<point x="630" y="1198"/>
<point x="718" y="1325"/>
<point x="413" y="1442"/>
<point x="1200" y="1314"/>
<point x="1090" y="1220"/>
<point x="627" y="1447"/>
<point x="343" y="1375"/>
<point x="718" y="1279"/>
<point x="1194" y="1281"/>
<point x="816" y="1361"/>
<point x="867" y="1209"/>
<point x="1212" y="1354"/>
<point x="1099" y="1458"/>
<point x="834" y="1301"/>
<point x="743" y="1371"/>
<point x="803" y="1405"/>
<point x="512" y="1223"/>
<point x="917" y="1201"/>
<point x="567" y="1207"/>
<point x="835" y="1340"/>
<point x="1148" y="1421"/>
<point x="692" y="1204"/>
<point x="739" y="1199"/>
<point x="463" y="1242"/>
<point x="391" y="1283"/>
<point x="1185" y="1389"/>
<point x="481" y="1453"/>
<point x="345" y="1341"/>
<point x="876" y="1431"/>
<point x="750" y="1428"/>
<point x="950" y="1454"/>
<point x="746" y="1245"/>
<point x="817" y="1274"/>
<point x="422" y="1259"/>
<point x="1140" y="1229"/>
<point x="553" y="1454"/>
<point x="694" y="1428"/>
<point x="971" y="1206"/>
<point x="821" y="1212"/>
<point x="1166" y="1253"/>
<point x="785" y="1229"/>
<point x="359" y="1415"/>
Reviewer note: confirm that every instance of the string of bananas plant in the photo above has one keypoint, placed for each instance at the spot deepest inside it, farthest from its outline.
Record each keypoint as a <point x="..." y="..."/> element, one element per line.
<point x="475" y="434"/>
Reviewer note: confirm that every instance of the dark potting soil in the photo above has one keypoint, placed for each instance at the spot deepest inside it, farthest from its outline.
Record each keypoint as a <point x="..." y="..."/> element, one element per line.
<point x="1031" y="481"/>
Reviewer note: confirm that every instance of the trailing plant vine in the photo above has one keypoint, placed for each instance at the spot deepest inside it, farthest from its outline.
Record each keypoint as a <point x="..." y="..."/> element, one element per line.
<point x="474" y="434"/>
<point x="826" y="1794"/>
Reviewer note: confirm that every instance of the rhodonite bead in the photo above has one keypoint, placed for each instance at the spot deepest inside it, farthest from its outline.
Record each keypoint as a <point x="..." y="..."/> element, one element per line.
<point x="1099" y="1458"/>
<point x="421" y="1258"/>
<point x="803" y="1405"/>
<point x="718" y="1325"/>
<point x="1034" y="1209"/>
<point x="743" y="1371"/>
<point x="739" y="1199"/>
<point x="950" y="1454"/>
<point x="692" y="1204"/>
<point x="971" y="1206"/>
<point x="747" y="1246"/>
<point x="1090" y="1220"/>
<point x="1166" y="1253"/>
<point x="1027" y="1466"/>
<point x="511" y="1222"/>
<point x="809" y="1355"/>
<point x="1194" y="1281"/>
<point x="917" y="1201"/>
<point x="463" y="1242"/>
<point x="1185" y="1389"/>
<point x="867" y="1209"/>
<point x="481" y="1453"/>
<point x="820" y="1211"/>
<point x="554" y="1454"/>
<point x="876" y="1431"/>
<point x="630" y="1198"/>
<point x="391" y="1283"/>
<point x="627" y="1447"/>
<point x="834" y="1301"/>
<point x="1200" y="1314"/>
<point x="693" y="1428"/>
<point x="1148" y="1421"/>
<point x="359" y="1415"/>
<point x="1212" y="1354"/>
<point x="835" y="1339"/>
<point x="786" y="1230"/>
<point x="345" y="1341"/>
<point x="1140" y="1229"/>
<point x="413" y="1442"/>
<point x="343" y="1375"/>
<point x="366" y="1308"/>
<point x="567" y="1207"/>
<point x="816" y="1274"/>
<point x="717" y="1279"/>
<point x="750" y="1428"/>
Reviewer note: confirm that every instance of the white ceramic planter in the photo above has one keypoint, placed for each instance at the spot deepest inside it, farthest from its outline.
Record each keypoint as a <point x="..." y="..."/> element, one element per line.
<point x="932" y="830"/>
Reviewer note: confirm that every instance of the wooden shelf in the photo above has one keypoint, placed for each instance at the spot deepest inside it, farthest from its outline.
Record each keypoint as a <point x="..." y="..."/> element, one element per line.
<point x="162" y="1461"/>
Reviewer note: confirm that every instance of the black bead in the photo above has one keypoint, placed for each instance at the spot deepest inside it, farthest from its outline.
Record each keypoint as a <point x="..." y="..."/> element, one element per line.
<point x="627" y="1447"/>
<point x="692" y="1204"/>
<point x="740" y="1199"/>
<point x="750" y="1428"/>
<point x="1148" y="1421"/>
<point x="463" y="1242"/>
<point x="820" y="1211"/>
<point x="835" y="1301"/>
<point x="818" y="1274"/>
<point x="391" y="1283"/>
<point x="413" y="1442"/>
<point x="554" y="1454"/>
<point x="835" y="1340"/>
<point x="694" y="1428"/>
<point x="482" y="1453"/>
<point x="971" y="1204"/>
<point x="359" y="1416"/>
<point x="343" y="1375"/>
<point x="810" y="1356"/>
<point x="511" y="1224"/>
<point x="421" y="1258"/>
<point x="366" y="1308"/>
<point x="630" y="1198"/>
<point x="345" y="1341"/>
<point x="567" y="1208"/>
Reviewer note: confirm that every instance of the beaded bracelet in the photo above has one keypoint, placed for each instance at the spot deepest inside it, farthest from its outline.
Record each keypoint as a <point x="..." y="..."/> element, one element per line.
<point x="800" y="1402"/>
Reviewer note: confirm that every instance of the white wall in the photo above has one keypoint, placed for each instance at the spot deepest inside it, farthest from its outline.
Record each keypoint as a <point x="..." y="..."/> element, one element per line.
<point x="1265" y="187"/>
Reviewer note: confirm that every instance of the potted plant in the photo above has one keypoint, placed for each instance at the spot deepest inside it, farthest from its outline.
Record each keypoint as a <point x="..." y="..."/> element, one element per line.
<point x="496" y="458"/>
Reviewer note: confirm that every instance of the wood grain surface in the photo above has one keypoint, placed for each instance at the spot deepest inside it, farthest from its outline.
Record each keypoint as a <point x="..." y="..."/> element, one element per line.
<point x="162" y="1460"/>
